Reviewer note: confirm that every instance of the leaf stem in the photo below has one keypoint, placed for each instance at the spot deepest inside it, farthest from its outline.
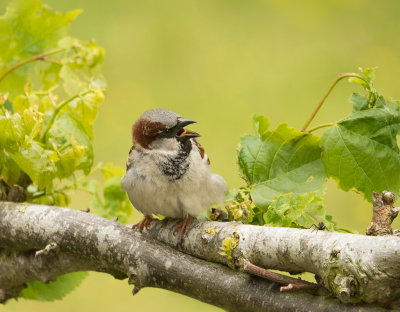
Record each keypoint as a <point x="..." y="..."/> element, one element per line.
<point x="340" y="77"/>
<point x="320" y="126"/>
<point x="39" y="57"/>
<point x="58" y="109"/>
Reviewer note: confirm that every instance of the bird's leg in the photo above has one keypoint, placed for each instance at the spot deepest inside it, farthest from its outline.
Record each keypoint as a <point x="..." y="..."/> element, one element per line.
<point x="184" y="226"/>
<point x="143" y="224"/>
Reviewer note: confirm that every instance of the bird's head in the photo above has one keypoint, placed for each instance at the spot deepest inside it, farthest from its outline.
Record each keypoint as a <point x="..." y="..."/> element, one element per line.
<point x="161" y="129"/>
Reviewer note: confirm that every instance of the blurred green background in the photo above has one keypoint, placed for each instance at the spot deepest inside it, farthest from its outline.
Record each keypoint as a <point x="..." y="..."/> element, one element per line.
<point x="218" y="62"/>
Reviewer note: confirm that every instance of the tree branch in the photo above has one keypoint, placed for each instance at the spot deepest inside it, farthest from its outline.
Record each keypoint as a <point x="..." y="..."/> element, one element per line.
<point x="87" y="242"/>
<point x="354" y="268"/>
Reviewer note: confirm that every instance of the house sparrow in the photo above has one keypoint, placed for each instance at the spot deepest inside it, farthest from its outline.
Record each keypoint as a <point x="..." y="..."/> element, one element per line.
<point x="168" y="172"/>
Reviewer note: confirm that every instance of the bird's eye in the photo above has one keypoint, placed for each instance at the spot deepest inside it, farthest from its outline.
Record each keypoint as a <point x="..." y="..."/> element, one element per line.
<point x="167" y="131"/>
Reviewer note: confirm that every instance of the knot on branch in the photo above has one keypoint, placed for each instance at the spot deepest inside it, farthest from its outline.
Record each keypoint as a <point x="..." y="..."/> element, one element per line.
<point x="383" y="214"/>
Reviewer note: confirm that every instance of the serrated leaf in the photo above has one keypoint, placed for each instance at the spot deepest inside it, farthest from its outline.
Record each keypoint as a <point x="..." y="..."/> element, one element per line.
<point x="84" y="109"/>
<point x="287" y="161"/>
<point x="28" y="29"/>
<point x="361" y="150"/>
<point x="61" y="132"/>
<point x="360" y="102"/>
<point x="12" y="132"/>
<point x="83" y="68"/>
<point x="53" y="290"/>
<point x="36" y="163"/>
<point x="288" y="211"/>
<point x="9" y="169"/>
<point x="22" y="102"/>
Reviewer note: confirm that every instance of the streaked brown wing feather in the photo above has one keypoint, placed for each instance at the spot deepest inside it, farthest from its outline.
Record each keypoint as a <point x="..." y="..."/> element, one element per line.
<point x="129" y="164"/>
<point x="202" y="152"/>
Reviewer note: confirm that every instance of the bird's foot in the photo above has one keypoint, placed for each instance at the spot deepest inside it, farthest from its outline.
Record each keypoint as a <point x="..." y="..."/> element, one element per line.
<point x="184" y="226"/>
<point x="143" y="224"/>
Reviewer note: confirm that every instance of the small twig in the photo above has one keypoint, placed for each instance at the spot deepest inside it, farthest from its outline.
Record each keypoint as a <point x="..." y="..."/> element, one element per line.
<point x="40" y="57"/>
<point x="293" y="283"/>
<point x="46" y="250"/>
<point x="87" y="210"/>
<point x="298" y="287"/>
<point x="272" y="276"/>
<point x="318" y="127"/>
<point x="52" y="61"/>
<point x="340" y="77"/>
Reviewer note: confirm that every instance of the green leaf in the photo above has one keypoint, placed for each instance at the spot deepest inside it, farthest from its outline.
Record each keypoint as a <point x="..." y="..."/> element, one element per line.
<point x="260" y="125"/>
<point x="28" y="29"/>
<point x="84" y="109"/>
<point x="53" y="290"/>
<point x="36" y="163"/>
<point x="9" y="170"/>
<point x="369" y="73"/>
<point x="22" y="102"/>
<point x="12" y="132"/>
<point x="360" y="102"/>
<point x="61" y="133"/>
<point x="288" y="211"/>
<point x="287" y="161"/>
<point x="116" y="201"/>
<point x="110" y="171"/>
<point x="361" y="150"/>
<point x="83" y="68"/>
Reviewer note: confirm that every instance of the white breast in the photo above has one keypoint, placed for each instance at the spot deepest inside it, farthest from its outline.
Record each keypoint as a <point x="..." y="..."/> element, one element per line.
<point x="151" y="192"/>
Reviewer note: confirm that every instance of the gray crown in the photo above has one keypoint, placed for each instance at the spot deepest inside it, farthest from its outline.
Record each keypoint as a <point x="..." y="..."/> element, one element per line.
<point x="162" y="115"/>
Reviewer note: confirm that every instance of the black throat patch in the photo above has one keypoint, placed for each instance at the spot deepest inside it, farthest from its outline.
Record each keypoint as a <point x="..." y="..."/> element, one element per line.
<point x="175" y="167"/>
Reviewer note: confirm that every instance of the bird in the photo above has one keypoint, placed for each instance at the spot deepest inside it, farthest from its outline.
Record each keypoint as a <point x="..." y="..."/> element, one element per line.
<point x="168" y="172"/>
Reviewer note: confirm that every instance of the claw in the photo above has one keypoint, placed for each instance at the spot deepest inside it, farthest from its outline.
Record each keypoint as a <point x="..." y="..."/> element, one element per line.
<point x="143" y="224"/>
<point x="184" y="228"/>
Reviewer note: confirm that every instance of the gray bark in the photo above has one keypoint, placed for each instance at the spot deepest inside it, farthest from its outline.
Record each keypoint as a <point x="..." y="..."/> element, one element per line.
<point x="355" y="268"/>
<point x="87" y="242"/>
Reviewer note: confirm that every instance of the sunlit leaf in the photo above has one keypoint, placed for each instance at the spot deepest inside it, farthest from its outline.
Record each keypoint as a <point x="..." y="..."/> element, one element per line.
<point x="12" y="132"/>
<point x="36" y="163"/>
<point x="9" y="169"/>
<point x="84" y="109"/>
<point x="22" y="102"/>
<point x="27" y="29"/>
<point x="61" y="133"/>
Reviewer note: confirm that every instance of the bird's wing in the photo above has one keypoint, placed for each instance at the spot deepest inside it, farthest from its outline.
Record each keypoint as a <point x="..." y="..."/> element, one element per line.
<point x="202" y="152"/>
<point x="129" y="162"/>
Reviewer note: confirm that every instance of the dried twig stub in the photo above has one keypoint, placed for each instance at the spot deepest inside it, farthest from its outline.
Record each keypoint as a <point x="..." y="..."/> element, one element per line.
<point x="48" y="249"/>
<point x="383" y="214"/>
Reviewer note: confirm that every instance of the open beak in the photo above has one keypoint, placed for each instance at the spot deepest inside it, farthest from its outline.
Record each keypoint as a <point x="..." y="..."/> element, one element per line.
<point x="185" y="132"/>
<point x="189" y="134"/>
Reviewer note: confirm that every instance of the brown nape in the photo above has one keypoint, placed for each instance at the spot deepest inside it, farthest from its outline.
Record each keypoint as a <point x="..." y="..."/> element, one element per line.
<point x="145" y="131"/>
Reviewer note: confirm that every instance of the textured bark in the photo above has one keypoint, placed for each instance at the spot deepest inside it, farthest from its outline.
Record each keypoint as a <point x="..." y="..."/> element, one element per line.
<point x="383" y="214"/>
<point x="355" y="268"/>
<point x="87" y="242"/>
